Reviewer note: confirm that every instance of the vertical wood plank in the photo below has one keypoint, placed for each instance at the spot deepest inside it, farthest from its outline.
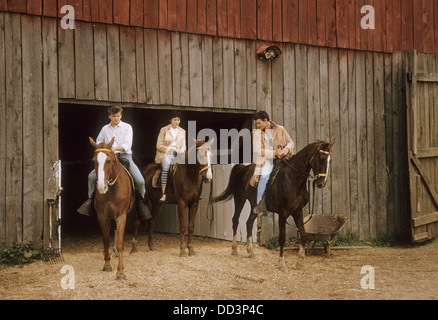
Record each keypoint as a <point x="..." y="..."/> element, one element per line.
<point x="136" y="13"/>
<point x="100" y="62"/>
<point x="84" y="60"/>
<point x="113" y="43"/>
<point x="290" y="21"/>
<point x="229" y="76"/>
<point x="264" y="20"/>
<point x="50" y="106"/>
<point x="33" y="165"/>
<point x="211" y="17"/>
<point x="35" y="7"/>
<point x="165" y="67"/>
<point x="66" y="63"/>
<point x="151" y="65"/>
<point x="379" y="125"/>
<point x="251" y="74"/>
<point x="325" y="121"/>
<point x="289" y="91"/>
<point x="218" y="73"/>
<point x="278" y="90"/>
<point x="207" y="71"/>
<point x="222" y="21"/>
<point x="321" y="24"/>
<point x="233" y="15"/>
<point x="372" y="191"/>
<point x="240" y="72"/>
<point x="3" y="123"/>
<point x="407" y="26"/>
<point x="151" y="13"/>
<point x="248" y="19"/>
<point x="342" y="114"/>
<point x="17" y="6"/>
<point x="180" y="69"/>
<point x="361" y="142"/>
<point x="121" y="12"/>
<point x="330" y="23"/>
<point x="105" y="11"/>
<point x="352" y="144"/>
<point x="195" y="63"/>
<point x="192" y="16"/>
<point x="14" y="128"/>
<point x="140" y="67"/>
<point x="128" y="73"/>
<point x="301" y="95"/>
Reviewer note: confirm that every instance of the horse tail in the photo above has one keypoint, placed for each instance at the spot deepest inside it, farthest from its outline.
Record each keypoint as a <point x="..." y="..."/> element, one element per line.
<point x="229" y="192"/>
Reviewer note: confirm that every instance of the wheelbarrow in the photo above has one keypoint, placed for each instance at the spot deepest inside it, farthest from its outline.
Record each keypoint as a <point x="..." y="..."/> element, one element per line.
<point x="323" y="227"/>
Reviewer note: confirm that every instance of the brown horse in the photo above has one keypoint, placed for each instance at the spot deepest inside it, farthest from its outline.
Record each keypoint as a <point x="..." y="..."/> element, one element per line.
<point x="114" y="199"/>
<point x="287" y="195"/>
<point x="186" y="188"/>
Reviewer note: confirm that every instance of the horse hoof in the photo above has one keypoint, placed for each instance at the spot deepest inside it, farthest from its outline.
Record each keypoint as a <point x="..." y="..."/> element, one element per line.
<point x="284" y="268"/>
<point x="299" y="265"/>
<point x="183" y="253"/>
<point x="121" y="277"/>
<point x="107" y="269"/>
<point x="251" y="253"/>
<point x="192" y="253"/>
<point x="134" y="250"/>
<point x="234" y="252"/>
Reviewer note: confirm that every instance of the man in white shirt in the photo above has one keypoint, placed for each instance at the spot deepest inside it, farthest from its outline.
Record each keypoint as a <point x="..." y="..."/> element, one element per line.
<point x="123" y="133"/>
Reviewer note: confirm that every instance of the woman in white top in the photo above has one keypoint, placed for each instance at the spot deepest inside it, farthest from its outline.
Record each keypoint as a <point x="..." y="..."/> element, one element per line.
<point x="171" y="142"/>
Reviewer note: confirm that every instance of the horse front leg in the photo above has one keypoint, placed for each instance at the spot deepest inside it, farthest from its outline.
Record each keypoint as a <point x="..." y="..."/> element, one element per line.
<point x="105" y="226"/>
<point x="121" y="223"/>
<point x="156" y="209"/>
<point x="136" y="227"/>
<point x="182" y="228"/>
<point x="191" y="229"/>
<point x="238" y="206"/>
<point x="282" y="240"/>
<point x="298" y="218"/>
<point x="249" y="227"/>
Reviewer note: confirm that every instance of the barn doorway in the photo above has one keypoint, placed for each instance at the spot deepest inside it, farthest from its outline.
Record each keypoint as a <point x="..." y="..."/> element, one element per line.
<point x="78" y="122"/>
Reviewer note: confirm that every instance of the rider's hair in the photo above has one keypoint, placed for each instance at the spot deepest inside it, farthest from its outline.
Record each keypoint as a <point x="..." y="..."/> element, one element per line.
<point x="175" y="114"/>
<point x="262" y="115"/>
<point x="114" y="110"/>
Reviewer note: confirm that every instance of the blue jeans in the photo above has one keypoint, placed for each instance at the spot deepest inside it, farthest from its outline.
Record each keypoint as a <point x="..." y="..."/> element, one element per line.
<point x="263" y="181"/>
<point x="133" y="170"/>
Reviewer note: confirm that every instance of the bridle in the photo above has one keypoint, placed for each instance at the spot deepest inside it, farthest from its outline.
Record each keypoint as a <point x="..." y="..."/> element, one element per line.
<point x="109" y="182"/>
<point x="206" y="167"/>
<point x="310" y="177"/>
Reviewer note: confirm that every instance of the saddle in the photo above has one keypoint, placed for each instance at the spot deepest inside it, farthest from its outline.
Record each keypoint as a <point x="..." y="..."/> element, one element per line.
<point x="156" y="181"/>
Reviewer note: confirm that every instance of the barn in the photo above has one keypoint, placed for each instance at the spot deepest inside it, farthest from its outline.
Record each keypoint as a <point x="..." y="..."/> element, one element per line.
<point x="364" y="72"/>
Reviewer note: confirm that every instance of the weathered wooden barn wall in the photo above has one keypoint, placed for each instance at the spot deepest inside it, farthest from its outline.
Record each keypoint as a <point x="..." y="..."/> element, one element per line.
<point x="353" y="96"/>
<point x="399" y="24"/>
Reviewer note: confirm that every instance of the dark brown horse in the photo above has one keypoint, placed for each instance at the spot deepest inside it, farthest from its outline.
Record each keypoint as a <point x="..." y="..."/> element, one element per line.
<point x="186" y="188"/>
<point x="113" y="201"/>
<point x="287" y="195"/>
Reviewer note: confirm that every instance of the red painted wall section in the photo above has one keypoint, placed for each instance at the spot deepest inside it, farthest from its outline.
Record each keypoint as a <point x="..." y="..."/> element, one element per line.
<point x="399" y="24"/>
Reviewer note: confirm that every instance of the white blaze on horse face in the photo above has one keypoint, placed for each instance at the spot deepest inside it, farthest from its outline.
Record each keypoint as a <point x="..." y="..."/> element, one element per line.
<point x="102" y="187"/>
<point x="209" y="172"/>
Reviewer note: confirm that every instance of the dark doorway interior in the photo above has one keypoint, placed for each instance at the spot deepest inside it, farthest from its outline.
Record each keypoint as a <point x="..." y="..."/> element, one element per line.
<point x="78" y="122"/>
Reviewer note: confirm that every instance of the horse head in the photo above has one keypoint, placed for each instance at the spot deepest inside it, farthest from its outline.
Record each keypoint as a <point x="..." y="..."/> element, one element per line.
<point x="104" y="158"/>
<point x="204" y="156"/>
<point x="320" y="162"/>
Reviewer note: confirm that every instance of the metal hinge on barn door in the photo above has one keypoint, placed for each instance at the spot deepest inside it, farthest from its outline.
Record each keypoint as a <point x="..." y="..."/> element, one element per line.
<point x="422" y="122"/>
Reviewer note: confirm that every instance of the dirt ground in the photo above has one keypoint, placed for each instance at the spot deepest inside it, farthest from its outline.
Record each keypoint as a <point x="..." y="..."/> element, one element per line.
<point x="399" y="273"/>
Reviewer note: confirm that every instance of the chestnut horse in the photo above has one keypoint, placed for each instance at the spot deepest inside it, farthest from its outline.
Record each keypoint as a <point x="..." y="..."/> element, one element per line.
<point x="186" y="188"/>
<point x="114" y="199"/>
<point x="287" y="195"/>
